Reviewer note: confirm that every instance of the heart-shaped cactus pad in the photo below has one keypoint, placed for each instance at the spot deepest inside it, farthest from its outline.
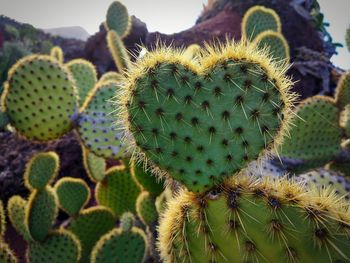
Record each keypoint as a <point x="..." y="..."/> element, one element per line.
<point x="199" y="122"/>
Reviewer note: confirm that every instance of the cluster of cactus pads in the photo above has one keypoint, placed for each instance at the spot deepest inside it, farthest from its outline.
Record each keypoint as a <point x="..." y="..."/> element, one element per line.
<point x="203" y="121"/>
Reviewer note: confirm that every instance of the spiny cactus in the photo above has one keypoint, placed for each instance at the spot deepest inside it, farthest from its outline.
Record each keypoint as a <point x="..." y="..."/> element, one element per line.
<point x="324" y="178"/>
<point x="16" y="208"/>
<point x="95" y="166"/>
<point x="192" y="52"/>
<point x="89" y="226"/>
<point x="57" y="53"/>
<point x="259" y="19"/>
<point x="127" y="221"/>
<point x="84" y="75"/>
<point x="118" y="19"/>
<point x="118" y="191"/>
<point x="276" y="43"/>
<point x="315" y="136"/>
<point x="246" y="220"/>
<point x="119" y="52"/>
<point x="111" y="76"/>
<point x="145" y="179"/>
<point x="73" y="194"/>
<point x="342" y="92"/>
<point x="61" y="246"/>
<point x="6" y="254"/>
<point x="201" y="123"/>
<point x="146" y="208"/>
<point x="121" y="245"/>
<point x="96" y="125"/>
<point x="40" y="98"/>
<point x="41" y="170"/>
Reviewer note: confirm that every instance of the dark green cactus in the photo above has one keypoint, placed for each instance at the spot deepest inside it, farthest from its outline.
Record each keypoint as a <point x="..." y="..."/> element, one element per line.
<point x="118" y="19"/>
<point x="16" y="208"/>
<point x="146" y="208"/>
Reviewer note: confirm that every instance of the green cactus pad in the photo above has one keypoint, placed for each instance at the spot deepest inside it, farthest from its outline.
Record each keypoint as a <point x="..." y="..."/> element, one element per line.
<point x="325" y="178"/>
<point x="2" y="220"/>
<point x="118" y="19"/>
<point x="315" y="135"/>
<point x="40" y="99"/>
<point x="342" y="92"/>
<point x="4" y="120"/>
<point x="84" y="75"/>
<point x="41" y="170"/>
<point x="41" y="213"/>
<point x="146" y="208"/>
<point x="95" y="166"/>
<point x="6" y="255"/>
<point x="110" y="76"/>
<point x="16" y="208"/>
<point x="199" y="124"/>
<point x="276" y="43"/>
<point x="119" y="246"/>
<point x="89" y="226"/>
<point x="118" y="191"/>
<point x="146" y="179"/>
<point x="57" y="53"/>
<point x="96" y="126"/>
<point x="259" y="19"/>
<point x="127" y="221"/>
<point x="60" y="247"/>
<point x="119" y="52"/>
<point x="73" y="194"/>
<point x="256" y="221"/>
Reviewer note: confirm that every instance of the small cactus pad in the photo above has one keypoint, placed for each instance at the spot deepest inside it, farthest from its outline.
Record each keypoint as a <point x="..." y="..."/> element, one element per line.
<point x="127" y="221"/>
<point x="2" y="220"/>
<point x="118" y="19"/>
<point x="41" y="170"/>
<point x="41" y="213"/>
<point x="16" y="208"/>
<point x="315" y="135"/>
<point x="250" y="220"/>
<point x="89" y="226"/>
<point x="111" y="76"/>
<point x="276" y="43"/>
<point x="342" y="92"/>
<point x="146" y="179"/>
<point x="259" y="19"/>
<point x="40" y="98"/>
<point x="118" y="191"/>
<point x="119" y="52"/>
<point x="95" y="166"/>
<point x="6" y="255"/>
<point x="57" y="53"/>
<point x="73" y="194"/>
<point x="199" y="124"/>
<point x="192" y="52"/>
<point x="96" y="126"/>
<point x="146" y="208"/>
<point x="84" y="75"/>
<point x="325" y="178"/>
<point x="120" y="246"/>
<point x="59" y="247"/>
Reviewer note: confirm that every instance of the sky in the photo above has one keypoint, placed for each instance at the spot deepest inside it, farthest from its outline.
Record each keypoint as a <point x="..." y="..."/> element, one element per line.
<point x="166" y="16"/>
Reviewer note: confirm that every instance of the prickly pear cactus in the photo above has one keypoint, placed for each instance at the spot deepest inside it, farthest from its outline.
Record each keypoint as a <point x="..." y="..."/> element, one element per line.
<point x="259" y="19"/>
<point x="4" y="119"/>
<point x="192" y="52"/>
<point x="95" y="166"/>
<point x="2" y="220"/>
<point x="118" y="19"/>
<point x="89" y="226"/>
<point x="6" y="255"/>
<point x="256" y="221"/>
<point x="315" y="136"/>
<point x="16" y="208"/>
<point x="111" y="76"/>
<point x="61" y="246"/>
<point x="41" y="170"/>
<point x="342" y="91"/>
<point x="276" y="43"/>
<point x="199" y="124"/>
<point x="118" y="191"/>
<point x="57" y="53"/>
<point x="73" y="194"/>
<point x="347" y="38"/>
<point x="96" y="126"/>
<point x="84" y="75"/>
<point x="119" y="52"/>
<point x="146" y="208"/>
<point x="40" y="98"/>
<point x="145" y="179"/>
